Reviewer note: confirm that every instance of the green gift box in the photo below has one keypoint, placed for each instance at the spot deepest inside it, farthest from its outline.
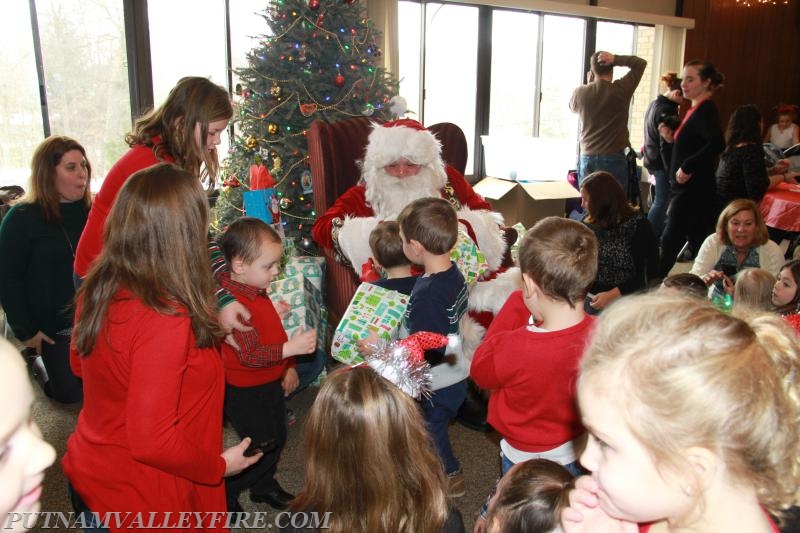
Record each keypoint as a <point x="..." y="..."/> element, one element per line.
<point x="306" y="309"/>
<point x="308" y="266"/>
<point x="515" y="245"/>
<point x="373" y="309"/>
<point x="468" y="259"/>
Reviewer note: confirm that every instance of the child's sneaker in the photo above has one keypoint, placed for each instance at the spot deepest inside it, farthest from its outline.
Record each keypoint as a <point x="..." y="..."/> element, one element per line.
<point x="456" y="487"/>
<point x="291" y="419"/>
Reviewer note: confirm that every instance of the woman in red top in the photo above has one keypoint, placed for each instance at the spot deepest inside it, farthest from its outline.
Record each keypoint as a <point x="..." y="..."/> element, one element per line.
<point x="149" y="438"/>
<point x="184" y="130"/>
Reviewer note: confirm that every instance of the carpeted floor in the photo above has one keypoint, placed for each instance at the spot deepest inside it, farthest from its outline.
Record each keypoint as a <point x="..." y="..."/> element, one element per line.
<point x="478" y="452"/>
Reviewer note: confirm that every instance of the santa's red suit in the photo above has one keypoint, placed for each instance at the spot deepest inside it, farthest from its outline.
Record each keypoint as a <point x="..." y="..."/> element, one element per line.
<point x="346" y="225"/>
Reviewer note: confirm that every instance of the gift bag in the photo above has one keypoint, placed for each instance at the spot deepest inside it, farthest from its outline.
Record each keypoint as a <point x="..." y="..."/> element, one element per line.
<point x="262" y="204"/>
<point x="373" y="309"/>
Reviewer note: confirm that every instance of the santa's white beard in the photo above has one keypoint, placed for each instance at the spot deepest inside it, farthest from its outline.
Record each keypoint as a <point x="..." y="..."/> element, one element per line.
<point x="389" y="195"/>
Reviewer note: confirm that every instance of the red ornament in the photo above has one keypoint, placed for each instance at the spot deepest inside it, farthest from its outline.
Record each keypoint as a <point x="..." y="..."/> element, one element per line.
<point x="313" y="4"/>
<point x="338" y="80"/>
<point x="233" y="181"/>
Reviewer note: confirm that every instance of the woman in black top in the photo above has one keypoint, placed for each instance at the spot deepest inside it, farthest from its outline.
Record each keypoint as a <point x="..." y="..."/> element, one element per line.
<point x="627" y="253"/>
<point x="692" y="208"/>
<point x="742" y="172"/>
<point x="38" y="237"/>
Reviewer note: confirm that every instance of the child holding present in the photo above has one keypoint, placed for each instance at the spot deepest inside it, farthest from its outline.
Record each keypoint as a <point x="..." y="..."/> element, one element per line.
<point x="259" y="374"/>
<point x="429" y="229"/>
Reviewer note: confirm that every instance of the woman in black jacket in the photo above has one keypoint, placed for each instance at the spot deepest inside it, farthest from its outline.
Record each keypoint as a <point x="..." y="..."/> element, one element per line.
<point x="692" y="208"/>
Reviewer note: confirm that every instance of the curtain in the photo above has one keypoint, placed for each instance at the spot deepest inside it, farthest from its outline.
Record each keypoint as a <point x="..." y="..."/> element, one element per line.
<point x="383" y="14"/>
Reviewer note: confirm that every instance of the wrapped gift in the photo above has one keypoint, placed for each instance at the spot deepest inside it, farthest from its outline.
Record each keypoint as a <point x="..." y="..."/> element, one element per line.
<point x="373" y="310"/>
<point x="468" y="259"/>
<point x="306" y="309"/>
<point x="310" y="267"/>
<point x="515" y="245"/>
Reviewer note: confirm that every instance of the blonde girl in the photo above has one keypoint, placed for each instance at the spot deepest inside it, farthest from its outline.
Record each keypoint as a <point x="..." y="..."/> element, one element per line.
<point x="370" y="461"/>
<point x="692" y="417"/>
<point x="753" y="289"/>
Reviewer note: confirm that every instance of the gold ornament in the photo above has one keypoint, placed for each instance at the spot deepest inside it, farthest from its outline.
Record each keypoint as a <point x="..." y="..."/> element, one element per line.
<point x="251" y="143"/>
<point x="275" y="90"/>
<point x="272" y="128"/>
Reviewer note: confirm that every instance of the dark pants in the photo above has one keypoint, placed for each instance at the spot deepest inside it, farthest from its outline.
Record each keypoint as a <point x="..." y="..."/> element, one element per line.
<point x="439" y="410"/>
<point x="259" y="413"/>
<point x="62" y="384"/>
<point x="82" y="509"/>
<point x="687" y="219"/>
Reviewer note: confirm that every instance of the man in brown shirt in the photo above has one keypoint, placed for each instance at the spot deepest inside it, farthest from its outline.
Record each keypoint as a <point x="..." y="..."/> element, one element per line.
<point x="603" y="106"/>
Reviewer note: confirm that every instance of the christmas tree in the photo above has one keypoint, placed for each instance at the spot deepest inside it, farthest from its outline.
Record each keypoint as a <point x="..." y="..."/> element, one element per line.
<point x="318" y="62"/>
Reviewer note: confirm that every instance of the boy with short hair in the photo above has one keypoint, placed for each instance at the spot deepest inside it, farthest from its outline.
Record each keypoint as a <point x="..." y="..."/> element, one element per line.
<point x="261" y="372"/>
<point x="387" y="254"/>
<point x="531" y="368"/>
<point x="429" y="229"/>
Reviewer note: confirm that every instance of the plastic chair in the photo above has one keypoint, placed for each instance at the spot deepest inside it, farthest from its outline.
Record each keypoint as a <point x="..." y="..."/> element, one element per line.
<point x="335" y="151"/>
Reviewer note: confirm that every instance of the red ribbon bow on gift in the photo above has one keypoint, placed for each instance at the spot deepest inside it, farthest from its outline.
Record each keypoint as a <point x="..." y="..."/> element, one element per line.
<point x="260" y="178"/>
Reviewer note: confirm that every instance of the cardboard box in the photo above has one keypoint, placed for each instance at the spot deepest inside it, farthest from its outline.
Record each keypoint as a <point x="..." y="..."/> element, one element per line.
<point x="526" y="202"/>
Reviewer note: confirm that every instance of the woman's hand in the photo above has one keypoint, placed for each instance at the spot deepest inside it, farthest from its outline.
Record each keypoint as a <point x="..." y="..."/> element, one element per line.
<point x="602" y="299"/>
<point x="235" y="460"/>
<point x="35" y="342"/>
<point x="234" y="316"/>
<point x="584" y="514"/>
<point x="713" y="276"/>
<point x="682" y="177"/>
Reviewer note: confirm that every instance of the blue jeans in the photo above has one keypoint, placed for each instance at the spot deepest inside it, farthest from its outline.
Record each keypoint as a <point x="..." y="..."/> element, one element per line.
<point x="658" y="211"/>
<point x="616" y="164"/>
<point x="439" y="410"/>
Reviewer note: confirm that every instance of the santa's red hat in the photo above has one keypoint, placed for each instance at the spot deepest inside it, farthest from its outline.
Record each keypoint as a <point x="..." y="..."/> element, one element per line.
<point x="398" y="139"/>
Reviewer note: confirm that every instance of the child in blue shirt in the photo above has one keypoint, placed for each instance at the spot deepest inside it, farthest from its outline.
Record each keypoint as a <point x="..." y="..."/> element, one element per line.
<point x="429" y="229"/>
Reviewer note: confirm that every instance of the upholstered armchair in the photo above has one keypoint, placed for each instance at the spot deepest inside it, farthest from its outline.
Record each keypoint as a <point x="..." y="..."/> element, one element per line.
<point x="334" y="150"/>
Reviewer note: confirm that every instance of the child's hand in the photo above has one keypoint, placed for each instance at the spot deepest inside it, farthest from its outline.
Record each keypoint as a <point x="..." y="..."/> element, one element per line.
<point x="301" y="343"/>
<point x="584" y="514"/>
<point x="235" y="460"/>
<point x="713" y="276"/>
<point x="367" y="345"/>
<point x="290" y="381"/>
<point x="282" y="308"/>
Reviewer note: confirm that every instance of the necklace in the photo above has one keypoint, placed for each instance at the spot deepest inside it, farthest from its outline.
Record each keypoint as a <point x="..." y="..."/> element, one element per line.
<point x="69" y="242"/>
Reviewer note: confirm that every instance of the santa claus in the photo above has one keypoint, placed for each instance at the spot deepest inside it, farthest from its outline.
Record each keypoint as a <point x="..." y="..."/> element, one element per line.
<point x="402" y="163"/>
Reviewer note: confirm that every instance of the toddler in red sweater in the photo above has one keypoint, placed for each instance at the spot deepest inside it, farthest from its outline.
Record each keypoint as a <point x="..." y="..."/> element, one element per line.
<point x="260" y="373"/>
<point x="531" y="365"/>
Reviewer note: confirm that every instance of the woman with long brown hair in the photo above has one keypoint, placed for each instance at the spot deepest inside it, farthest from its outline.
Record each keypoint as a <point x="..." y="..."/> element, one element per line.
<point x="37" y="247"/>
<point x="627" y="256"/>
<point x="149" y="438"/>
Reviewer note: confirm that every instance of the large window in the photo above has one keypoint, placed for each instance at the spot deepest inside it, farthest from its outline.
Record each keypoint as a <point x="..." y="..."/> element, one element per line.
<point x="536" y="62"/>
<point x="85" y="82"/>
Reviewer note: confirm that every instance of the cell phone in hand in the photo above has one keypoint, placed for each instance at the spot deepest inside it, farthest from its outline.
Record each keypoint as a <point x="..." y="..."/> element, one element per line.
<point x="728" y="270"/>
<point x="265" y="446"/>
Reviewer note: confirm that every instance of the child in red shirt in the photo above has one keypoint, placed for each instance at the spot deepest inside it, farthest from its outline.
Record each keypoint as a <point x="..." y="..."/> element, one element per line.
<point x="261" y="372"/>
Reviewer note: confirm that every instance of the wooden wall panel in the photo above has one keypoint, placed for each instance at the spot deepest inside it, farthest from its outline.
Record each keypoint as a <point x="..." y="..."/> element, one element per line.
<point x="757" y="48"/>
